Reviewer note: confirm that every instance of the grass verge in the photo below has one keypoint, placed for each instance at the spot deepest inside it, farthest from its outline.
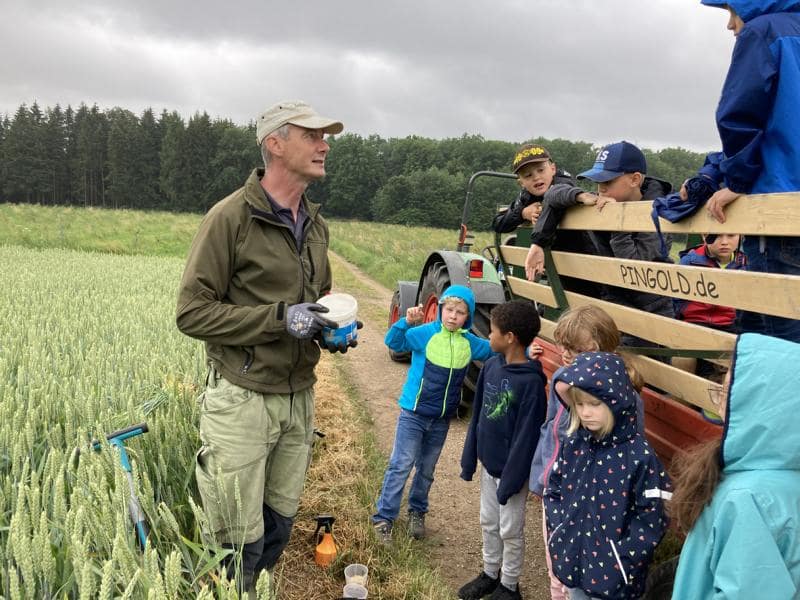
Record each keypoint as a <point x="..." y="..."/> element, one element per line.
<point x="345" y="474"/>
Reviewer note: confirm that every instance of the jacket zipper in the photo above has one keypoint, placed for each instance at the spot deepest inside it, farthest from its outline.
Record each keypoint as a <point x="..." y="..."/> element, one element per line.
<point x="273" y="220"/>
<point x="248" y="362"/>
<point x="419" y="393"/>
<point x="449" y="377"/>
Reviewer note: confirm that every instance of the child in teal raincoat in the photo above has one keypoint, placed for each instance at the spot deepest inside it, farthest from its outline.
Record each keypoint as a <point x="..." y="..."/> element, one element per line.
<point x="740" y="496"/>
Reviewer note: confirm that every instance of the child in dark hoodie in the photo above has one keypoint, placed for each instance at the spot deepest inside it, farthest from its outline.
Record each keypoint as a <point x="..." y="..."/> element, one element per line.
<point x="538" y="176"/>
<point x="441" y="352"/>
<point x="620" y="172"/>
<point x="535" y="172"/>
<point x="604" y="499"/>
<point x="507" y="413"/>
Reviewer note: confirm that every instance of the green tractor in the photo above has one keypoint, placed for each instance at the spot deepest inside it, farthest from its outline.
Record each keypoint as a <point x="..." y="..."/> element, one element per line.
<point x="480" y="272"/>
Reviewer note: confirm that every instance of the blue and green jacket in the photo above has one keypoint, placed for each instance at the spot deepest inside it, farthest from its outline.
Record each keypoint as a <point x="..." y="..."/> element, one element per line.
<point x="439" y="359"/>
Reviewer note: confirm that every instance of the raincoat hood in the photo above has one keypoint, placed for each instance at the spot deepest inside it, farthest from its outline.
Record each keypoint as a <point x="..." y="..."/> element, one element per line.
<point x="603" y="375"/>
<point x="762" y="421"/>
<point x="750" y="9"/>
<point x="464" y="293"/>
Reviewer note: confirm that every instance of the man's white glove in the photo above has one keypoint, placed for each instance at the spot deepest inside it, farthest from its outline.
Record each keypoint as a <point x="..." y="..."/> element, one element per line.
<point x="303" y="321"/>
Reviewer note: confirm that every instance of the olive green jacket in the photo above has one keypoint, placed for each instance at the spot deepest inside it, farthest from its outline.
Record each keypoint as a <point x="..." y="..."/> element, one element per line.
<point x="242" y="272"/>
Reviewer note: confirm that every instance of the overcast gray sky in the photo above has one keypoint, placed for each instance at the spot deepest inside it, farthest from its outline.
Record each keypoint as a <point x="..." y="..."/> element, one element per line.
<point x="649" y="71"/>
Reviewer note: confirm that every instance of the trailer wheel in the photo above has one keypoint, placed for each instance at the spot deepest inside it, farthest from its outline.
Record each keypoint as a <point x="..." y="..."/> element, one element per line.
<point x="394" y="316"/>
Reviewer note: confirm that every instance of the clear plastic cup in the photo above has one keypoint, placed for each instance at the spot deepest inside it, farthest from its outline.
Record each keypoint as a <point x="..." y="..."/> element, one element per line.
<point x="353" y="590"/>
<point x="356" y="573"/>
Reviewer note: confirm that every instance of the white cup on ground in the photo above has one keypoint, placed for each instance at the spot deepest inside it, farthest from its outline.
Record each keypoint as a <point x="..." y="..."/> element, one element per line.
<point x="356" y="573"/>
<point x="353" y="590"/>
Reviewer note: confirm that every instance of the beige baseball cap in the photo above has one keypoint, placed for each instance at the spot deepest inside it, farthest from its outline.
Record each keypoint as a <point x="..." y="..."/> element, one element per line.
<point x="295" y="112"/>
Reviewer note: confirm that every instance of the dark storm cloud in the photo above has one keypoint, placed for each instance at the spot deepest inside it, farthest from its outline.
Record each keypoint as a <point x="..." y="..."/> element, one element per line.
<point x="648" y="71"/>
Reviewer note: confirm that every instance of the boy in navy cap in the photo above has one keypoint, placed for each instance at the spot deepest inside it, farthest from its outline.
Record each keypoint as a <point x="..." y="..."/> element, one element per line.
<point x="620" y="172"/>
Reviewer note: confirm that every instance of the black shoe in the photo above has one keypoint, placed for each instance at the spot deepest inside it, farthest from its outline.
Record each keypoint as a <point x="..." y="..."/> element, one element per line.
<point x="416" y="524"/>
<point x="383" y="531"/>
<point x="503" y="593"/>
<point x="479" y="587"/>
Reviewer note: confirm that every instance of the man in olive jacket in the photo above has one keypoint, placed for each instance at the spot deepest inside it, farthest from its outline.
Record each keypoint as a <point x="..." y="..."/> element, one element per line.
<point x="255" y="270"/>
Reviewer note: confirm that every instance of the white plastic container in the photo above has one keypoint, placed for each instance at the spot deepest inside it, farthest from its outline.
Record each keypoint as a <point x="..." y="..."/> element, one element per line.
<point x="343" y="309"/>
<point x="356" y="573"/>
<point x="353" y="590"/>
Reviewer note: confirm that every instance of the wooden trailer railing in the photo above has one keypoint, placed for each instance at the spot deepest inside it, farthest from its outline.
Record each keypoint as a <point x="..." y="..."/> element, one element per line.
<point x="671" y="420"/>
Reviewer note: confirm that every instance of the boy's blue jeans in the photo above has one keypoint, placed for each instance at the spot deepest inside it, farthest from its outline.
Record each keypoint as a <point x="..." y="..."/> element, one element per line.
<point x="779" y="255"/>
<point x="418" y="442"/>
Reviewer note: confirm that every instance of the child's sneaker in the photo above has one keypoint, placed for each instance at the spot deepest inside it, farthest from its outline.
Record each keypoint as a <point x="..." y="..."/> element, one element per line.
<point x="416" y="524"/>
<point x="479" y="587"/>
<point x="501" y="592"/>
<point x="383" y="531"/>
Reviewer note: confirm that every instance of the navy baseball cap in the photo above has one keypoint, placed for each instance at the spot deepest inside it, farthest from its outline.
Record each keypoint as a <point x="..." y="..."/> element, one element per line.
<point x="615" y="160"/>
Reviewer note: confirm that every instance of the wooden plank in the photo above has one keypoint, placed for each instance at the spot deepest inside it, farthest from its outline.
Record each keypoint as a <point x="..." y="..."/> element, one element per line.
<point x="534" y="291"/>
<point x="766" y="293"/>
<point x="765" y="214"/>
<point x="682" y="386"/>
<point x="666" y="331"/>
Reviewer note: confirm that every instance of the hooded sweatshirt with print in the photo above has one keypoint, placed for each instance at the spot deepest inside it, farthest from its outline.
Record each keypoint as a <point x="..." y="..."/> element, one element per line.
<point x="746" y="542"/>
<point x="439" y="359"/>
<point x="507" y="413"/>
<point x="757" y="116"/>
<point x="604" y="502"/>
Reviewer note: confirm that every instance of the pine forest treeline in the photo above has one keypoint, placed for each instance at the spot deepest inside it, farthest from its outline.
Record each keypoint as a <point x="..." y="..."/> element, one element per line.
<point x="116" y="159"/>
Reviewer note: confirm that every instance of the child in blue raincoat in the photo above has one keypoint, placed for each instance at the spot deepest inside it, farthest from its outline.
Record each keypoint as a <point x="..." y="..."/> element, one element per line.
<point x="759" y="127"/>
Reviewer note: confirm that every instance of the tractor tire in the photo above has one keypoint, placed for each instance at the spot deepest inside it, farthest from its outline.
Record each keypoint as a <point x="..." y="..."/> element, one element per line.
<point x="394" y="316"/>
<point x="435" y="282"/>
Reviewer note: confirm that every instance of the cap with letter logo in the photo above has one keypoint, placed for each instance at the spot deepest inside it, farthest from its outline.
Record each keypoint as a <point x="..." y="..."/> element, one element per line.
<point x="615" y="160"/>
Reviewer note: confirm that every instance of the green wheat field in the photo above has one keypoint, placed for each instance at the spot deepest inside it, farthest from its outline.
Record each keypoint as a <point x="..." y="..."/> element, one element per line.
<point x="89" y="346"/>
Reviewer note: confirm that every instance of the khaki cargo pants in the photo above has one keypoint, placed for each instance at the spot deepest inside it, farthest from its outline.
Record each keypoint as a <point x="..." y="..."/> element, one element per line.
<point x="256" y="449"/>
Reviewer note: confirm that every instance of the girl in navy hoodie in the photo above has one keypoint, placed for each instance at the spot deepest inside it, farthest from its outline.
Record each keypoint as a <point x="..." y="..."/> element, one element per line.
<point x="604" y="500"/>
